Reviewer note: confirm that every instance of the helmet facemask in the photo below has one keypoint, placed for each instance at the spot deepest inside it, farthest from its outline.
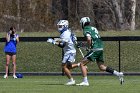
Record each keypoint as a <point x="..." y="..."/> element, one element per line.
<point x="62" y="25"/>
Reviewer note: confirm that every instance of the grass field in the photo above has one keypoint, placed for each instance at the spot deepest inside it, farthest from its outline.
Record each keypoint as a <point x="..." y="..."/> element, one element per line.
<point x="44" y="57"/>
<point x="55" y="84"/>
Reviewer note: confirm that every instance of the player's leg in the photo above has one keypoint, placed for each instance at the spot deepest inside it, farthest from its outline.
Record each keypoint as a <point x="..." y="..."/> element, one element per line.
<point x="119" y="74"/>
<point x="71" y="60"/>
<point x="100" y="62"/>
<point x="78" y="64"/>
<point x="67" y="71"/>
<point x="14" y="66"/>
<point x="8" y="57"/>
<point x="68" y="59"/>
<point x="84" y="73"/>
<point x="84" y="69"/>
<point x="75" y="65"/>
<point x="88" y="57"/>
<point x="102" y="67"/>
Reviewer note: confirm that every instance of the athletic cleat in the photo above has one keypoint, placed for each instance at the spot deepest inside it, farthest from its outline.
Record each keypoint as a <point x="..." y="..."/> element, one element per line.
<point x="70" y="83"/>
<point x="83" y="84"/>
<point x="14" y="76"/>
<point x="121" y="81"/>
<point x="121" y="78"/>
<point x="5" y="76"/>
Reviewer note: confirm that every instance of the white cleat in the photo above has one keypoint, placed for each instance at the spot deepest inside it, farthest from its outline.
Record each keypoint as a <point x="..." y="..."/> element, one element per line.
<point x="5" y="76"/>
<point x="83" y="84"/>
<point x="70" y="83"/>
<point x="14" y="76"/>
<point x="121" y="78"/>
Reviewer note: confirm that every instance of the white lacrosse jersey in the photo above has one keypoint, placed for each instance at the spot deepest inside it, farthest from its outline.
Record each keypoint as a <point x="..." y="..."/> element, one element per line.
<point x="69" y="47"/>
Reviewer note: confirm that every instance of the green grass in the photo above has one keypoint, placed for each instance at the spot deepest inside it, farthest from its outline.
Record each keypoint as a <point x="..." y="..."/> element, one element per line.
<point x="44" y="57"/>
<point x="55" y="84"/>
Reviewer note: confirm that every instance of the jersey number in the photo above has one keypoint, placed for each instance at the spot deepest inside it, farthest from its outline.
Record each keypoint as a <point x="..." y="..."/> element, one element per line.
<point x="96" y="32"/>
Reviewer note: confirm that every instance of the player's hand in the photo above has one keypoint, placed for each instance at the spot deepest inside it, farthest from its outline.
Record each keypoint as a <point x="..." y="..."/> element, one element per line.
<point x="57" y="39"/>
<point x="79" y="45"/>
<point x="50" y="40"/>
<point x="87" y="49"/>
<point x="74" y="37"/>
<point x="10" y="32"/>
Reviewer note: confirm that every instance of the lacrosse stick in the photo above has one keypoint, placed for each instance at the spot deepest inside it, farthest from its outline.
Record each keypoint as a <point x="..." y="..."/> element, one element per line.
<point x="75" y="40"/>
<point x="80" y="51"/>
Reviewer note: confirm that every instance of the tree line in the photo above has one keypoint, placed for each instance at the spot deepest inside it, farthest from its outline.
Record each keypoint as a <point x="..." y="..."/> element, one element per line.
<point x="43" y="15"/>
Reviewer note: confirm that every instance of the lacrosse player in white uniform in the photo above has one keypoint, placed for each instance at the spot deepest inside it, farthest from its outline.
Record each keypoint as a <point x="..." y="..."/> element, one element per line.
<point x="66" y="41"/>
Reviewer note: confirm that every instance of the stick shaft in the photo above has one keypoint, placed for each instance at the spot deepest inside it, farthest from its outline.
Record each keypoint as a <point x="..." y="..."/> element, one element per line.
<point x="79" y="49"/>
<point x="81" y="52"/>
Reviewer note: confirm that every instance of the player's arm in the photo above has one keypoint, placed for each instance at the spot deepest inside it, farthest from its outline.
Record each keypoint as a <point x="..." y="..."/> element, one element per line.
<point x="17" y="38"/>
<point x="89" y="40"/>
<point x="59" y="42"/>
<point x="8" y="36"/>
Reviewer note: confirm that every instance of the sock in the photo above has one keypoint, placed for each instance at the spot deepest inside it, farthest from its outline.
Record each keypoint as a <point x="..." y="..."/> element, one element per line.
<point x="110" y="70"/>
<point x="116" y="73"/>
<point x="85" y="79"/>
<point x="71" y="79"/>
<point x="78" y="64"/>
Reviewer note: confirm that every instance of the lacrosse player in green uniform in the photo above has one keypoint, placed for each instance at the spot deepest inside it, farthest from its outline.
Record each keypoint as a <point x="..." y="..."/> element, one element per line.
<point x="95" y="53"/>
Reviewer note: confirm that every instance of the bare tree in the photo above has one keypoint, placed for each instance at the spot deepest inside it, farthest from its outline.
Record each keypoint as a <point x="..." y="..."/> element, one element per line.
<point x="118" y="14"/>
<point x="42" y="15"/>
<point x="18" y="14"/>
<point x="133" y="9"/>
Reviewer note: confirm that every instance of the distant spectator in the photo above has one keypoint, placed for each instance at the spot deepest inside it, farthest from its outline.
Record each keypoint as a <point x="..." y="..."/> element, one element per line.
<point x="10" y="50"/>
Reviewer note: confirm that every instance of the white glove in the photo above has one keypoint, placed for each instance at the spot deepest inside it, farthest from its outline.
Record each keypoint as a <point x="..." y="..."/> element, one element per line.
<point x="50" y="40"/>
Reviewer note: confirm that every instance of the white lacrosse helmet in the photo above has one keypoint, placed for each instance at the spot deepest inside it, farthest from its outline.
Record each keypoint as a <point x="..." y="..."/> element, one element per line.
<point x="62" y="25"/>
<point x="84" y="20"/>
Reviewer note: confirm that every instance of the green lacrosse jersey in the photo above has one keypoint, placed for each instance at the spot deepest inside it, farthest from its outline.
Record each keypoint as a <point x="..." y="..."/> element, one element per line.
<point x="96" y="39"/>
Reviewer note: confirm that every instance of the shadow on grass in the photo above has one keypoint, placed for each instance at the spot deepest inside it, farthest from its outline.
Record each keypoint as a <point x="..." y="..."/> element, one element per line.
<point x="59" y="85"/>
<point x="52" y="84"/>
<point x="56" y="85"/>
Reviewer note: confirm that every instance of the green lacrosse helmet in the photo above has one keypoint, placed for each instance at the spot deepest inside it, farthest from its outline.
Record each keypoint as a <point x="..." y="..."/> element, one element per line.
<point x="84" y="20"/>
